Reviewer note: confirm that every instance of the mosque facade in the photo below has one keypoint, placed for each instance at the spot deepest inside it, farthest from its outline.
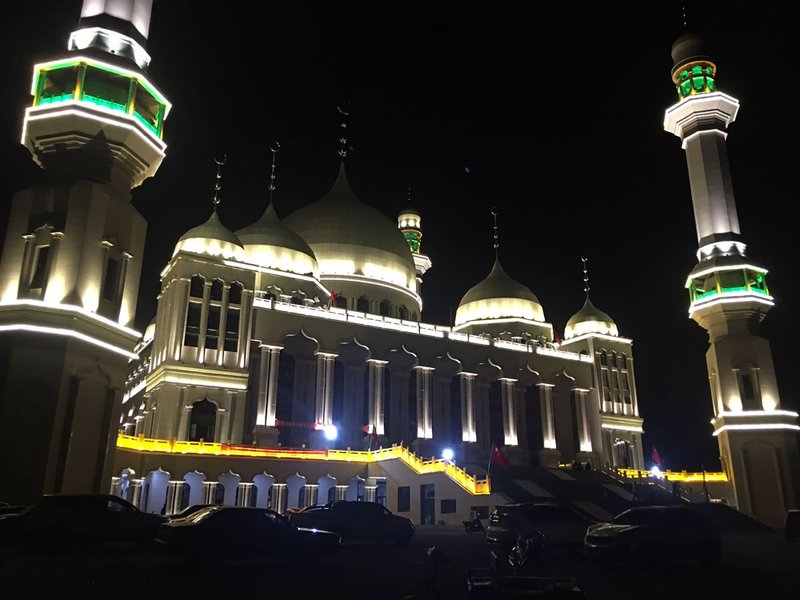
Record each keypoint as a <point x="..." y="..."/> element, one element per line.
<point x="296" y="343"/>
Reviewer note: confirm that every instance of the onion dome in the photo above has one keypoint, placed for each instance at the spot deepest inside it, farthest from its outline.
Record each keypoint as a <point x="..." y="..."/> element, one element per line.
<point x="269" y="243"/>
<point x="590" y="319"/>
<point x="499" y="297"/>
<point x="211" y="238"/>
<point x="355" y="242"/>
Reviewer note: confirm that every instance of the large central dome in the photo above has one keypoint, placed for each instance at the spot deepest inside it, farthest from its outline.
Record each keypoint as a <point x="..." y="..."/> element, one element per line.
<point x="360" y="251"/>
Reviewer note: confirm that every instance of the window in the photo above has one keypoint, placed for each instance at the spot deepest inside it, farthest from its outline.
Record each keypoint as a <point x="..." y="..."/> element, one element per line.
<point x="58" y="85"/>
<point x="403" y="312"/>
<point x="212" y="327"/>
<point x="111" y="280"/>
<point x="106" y="89"/>
<point x="216" y="290"/>
<point x="232" y="330"/>
<point x="448" y="506"/>
<point x="748" y="389"/>
<point x="40" y="257"/>
<point x="362" y="305"/>
<point x="385" y="308"/>
<point x="403" y="499"/>
<point x="235" y="294"/>
<point x="192" y="335"/>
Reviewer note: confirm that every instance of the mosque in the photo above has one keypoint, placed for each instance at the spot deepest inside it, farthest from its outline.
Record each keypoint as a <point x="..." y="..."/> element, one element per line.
<point x="287" y="363"/>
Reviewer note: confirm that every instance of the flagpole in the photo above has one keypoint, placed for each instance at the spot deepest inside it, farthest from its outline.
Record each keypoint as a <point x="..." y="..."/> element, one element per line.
<point x="489" y="466"/>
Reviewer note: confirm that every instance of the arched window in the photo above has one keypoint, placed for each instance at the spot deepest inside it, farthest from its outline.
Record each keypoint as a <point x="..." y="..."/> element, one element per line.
<point x="340" y="301"/>
<point x="362" y="304"/>
<point x="385" y="308"/>
<point x="402" y="311"/>
<point x="192" y="335"/>
<point x="235" y="293"/>
<point x="216" y="290"/>
<point x="203" y="421"/>
<point x="232" y="318"/>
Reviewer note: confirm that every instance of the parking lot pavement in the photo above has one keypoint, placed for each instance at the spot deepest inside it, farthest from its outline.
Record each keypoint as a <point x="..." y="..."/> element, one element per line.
<point x="753" y="566"/>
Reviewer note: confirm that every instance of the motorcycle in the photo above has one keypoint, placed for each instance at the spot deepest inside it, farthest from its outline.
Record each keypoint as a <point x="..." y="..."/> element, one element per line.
<point x="473" y="525"/>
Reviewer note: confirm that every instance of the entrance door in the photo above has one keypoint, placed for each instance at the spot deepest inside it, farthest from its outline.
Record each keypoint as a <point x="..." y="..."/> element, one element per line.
<point x="427" y="503"/>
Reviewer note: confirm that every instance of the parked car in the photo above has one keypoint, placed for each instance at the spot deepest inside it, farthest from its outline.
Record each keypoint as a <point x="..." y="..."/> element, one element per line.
<point x="357" y="520"/>
<point x="189" y="510"/>
<point x="655" y="533"/>
<point x="246" y="532"/>
<point x="64" y="518"/>
<point x="562" y="527"/>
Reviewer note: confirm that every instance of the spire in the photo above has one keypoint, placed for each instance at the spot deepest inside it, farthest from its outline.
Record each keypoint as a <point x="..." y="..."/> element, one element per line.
<point x="344" y="112"/>
<point x="218" y="181"/>
<point x="496" y="234"/>
<point x="586" y="288"/>
<point x="274" y="147"/>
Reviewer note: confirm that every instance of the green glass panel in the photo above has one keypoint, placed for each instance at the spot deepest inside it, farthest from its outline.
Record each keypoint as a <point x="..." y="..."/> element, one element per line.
<point x="709" y="72"/>
<point x="699" y="83"/>
<point x="710" y="83"/>
<point x="54" y="99"/>
<point x="143" y="120"/>
<point x="103" y="102"/>
<point x="686" y="88"/>
<point x="683" y="76"/>
<point x="697" y="70"/>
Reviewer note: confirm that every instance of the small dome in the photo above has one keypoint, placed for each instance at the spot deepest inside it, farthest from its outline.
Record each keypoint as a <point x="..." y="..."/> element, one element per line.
<point x="689" y="47"/>
<point x="269" y="243"/>
<point x="349" y="238"/>
<point x="211" y="238"/>
<point x="590" y="320"/>
<point x="499" y="297"/>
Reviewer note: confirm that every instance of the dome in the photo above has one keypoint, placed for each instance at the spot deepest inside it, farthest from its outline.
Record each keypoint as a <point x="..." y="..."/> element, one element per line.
<point x="590" y="320"/>
<point x="211" y="238"/>
<point x="689" y="47"/>
<point x="499" y="297"/>
<point x="353" y="241"/>
<point x="269" y="243"/>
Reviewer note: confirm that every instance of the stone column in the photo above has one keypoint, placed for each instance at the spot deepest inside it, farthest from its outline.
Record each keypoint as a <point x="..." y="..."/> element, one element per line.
<point x="549" y="455"/>
<point x="467" y="382"/>
<point x="267" y="385"/>
<point x="181" y="300"/>
<point x="324" y="390"/>
<point x="584" y="435"/>
<point x="376" y="403"/>
<point x="223" y="326"/>
<point x="201" y="339"/>
<point x="424" y="416"/>
<point x="509" y="417"/>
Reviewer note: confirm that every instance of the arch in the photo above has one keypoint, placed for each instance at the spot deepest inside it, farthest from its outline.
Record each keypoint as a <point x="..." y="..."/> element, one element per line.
<point x="295" y="494"/>
<point x="203" y="421"/>
<point x="362" y="304"/>
<point x="195" y="480"/>
<point x="125" y="478"/>
<point x="340" y="300"/>
<point x="326" y="489"/>
<point x="402" y="312"/>
<point x="230" y="482"/>
<point x="355" y="489"/>
<point x="385" y="308"/>
<point x="217" y="286"/>
<point x="263" y="483"/>
<point x="157" y="483"/>
<point x="235" y="293"/>
<point x="197" y="286"/>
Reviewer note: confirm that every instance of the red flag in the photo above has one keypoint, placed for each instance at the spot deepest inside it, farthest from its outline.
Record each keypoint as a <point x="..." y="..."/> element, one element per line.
<point x="333" y="300"/>
<point x="500" y="458"/>
<point x="656" y="457"/>
<point x="556" y="338"/>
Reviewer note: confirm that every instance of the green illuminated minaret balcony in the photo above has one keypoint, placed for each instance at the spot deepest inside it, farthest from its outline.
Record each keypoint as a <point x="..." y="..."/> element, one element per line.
<point x="730" y="282"/>
<point x="101" y="84"/>
<point x="695" y="78"/>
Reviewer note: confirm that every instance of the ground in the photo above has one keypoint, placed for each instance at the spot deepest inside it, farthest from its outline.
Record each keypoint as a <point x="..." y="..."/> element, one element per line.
<point x="760" y="565"/>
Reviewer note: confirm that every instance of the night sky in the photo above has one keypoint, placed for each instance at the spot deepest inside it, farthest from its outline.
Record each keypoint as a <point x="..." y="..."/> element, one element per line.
<point x="555" y="118"/>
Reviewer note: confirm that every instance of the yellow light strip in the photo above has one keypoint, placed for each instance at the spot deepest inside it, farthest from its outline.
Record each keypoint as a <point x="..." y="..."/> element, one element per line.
<point x="673" y="475"/>
<point x="468" y="482"/>
<point x="70" y="333"/>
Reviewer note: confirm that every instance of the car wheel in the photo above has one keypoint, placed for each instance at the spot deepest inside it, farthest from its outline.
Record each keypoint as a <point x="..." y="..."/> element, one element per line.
<point x="404" y="536"/>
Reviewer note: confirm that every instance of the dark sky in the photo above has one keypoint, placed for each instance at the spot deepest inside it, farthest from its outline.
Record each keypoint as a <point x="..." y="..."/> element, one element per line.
<point x="554" y="115"/>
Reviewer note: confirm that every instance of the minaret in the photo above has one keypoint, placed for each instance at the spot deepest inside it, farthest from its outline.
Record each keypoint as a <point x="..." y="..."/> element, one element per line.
<point x="69" y="275"/>
<point x="410" y="224"/>
<point x="729" y="298"/>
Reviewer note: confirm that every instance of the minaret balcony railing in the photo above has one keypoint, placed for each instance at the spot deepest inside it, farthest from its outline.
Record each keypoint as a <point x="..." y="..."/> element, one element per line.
<point x="86" y="80"/>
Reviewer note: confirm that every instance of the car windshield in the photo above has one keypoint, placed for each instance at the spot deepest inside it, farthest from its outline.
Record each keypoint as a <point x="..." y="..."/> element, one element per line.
<point x="637" y="517"/>
<point x="203" y="514"/>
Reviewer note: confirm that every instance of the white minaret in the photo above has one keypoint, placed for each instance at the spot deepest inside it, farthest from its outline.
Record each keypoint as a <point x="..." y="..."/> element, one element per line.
<point x="69" y="274"/>
<point x="729" y="299"/>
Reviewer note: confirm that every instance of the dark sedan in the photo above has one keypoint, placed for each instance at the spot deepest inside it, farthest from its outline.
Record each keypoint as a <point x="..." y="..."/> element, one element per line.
<point x="242" y="532"/>
<point x="64" y="518"/>
<point x="357" y="520"/>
